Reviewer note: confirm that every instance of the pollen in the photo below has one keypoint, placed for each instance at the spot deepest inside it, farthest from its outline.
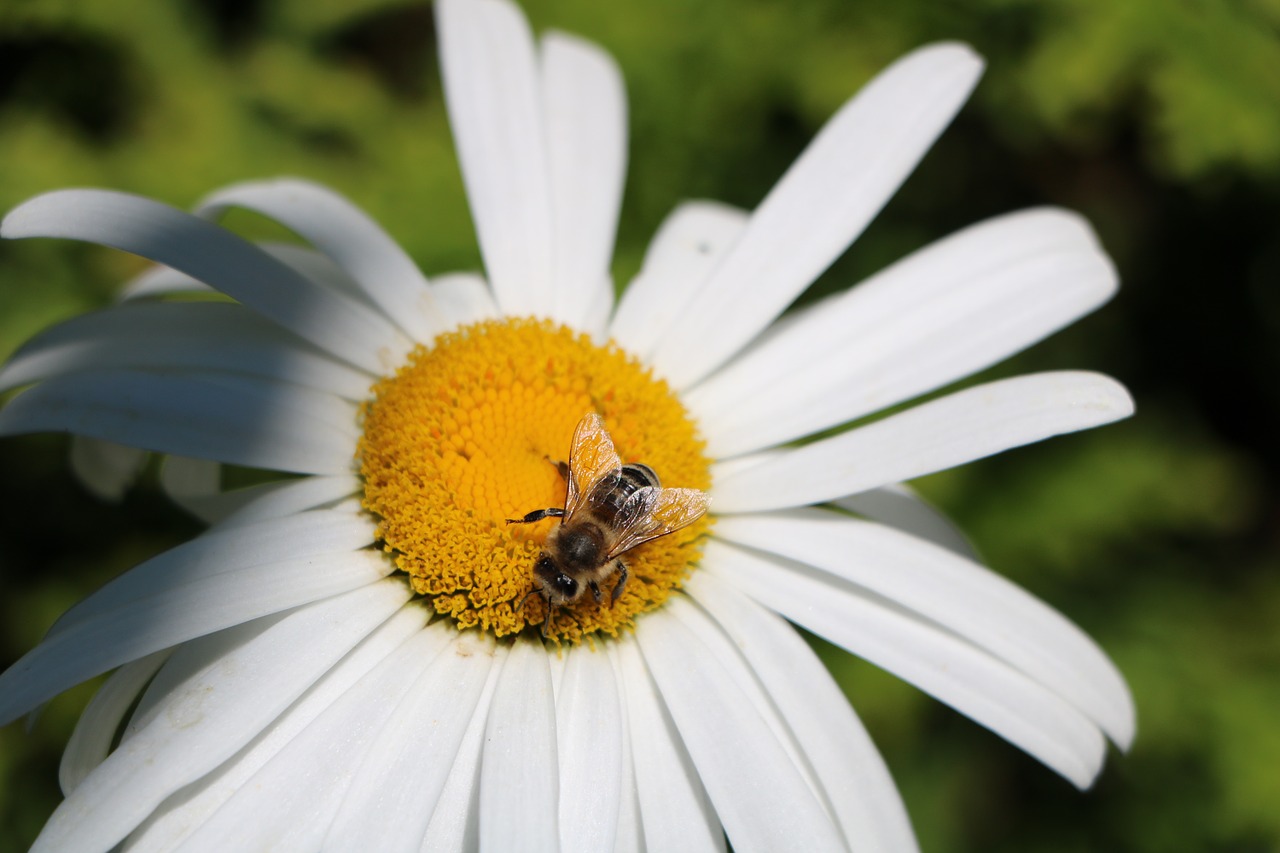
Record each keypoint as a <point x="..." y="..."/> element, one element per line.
<point x="469" y="433"/>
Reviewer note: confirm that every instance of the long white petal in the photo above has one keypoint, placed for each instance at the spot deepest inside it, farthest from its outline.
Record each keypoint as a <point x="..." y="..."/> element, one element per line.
<point x="400" y="779"/>
<point x="586" y="125"/>
<point x="859" y="789"/>
<point x="933" y="436"/>
<point x="960" y="595"/>
<point x="519" y="773"/>
<point x="465" y="298"/>
<point x="820" y="206"/>
<point x="98" y="726"/>
<point x="290" y="802"/>
<point x="169" y="336"/>
<point x="455" y="823"/>
<point x="919" y="651"/>
<point x="629" y="837"/>
<point x="491" y="86"/>
<point x="691" y="241"/>
<point x="192" y="590"/>
<point x="350" y="237"/>
<point x="282" y="499"/>
<point x="675" y="812"/>
<point x="759" y="794"/>
<point x="898" y="506"/>
<point x="208" y="718"/>
<point x="240" y="420"/>
<point x="188" y="809"/>
<point x="214" y="255"/>
<point x="946" y="312"/>
<point x="589" y="734"/>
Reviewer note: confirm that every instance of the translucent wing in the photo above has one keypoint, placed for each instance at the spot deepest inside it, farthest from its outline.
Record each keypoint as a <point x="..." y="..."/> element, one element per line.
<point x="591" y="459"/>
<point x="653" y="512"/>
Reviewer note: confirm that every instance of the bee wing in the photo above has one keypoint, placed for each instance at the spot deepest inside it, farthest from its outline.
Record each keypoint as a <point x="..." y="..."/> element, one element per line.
<point x="652" y="512"/>
<point x="591" y="459"/>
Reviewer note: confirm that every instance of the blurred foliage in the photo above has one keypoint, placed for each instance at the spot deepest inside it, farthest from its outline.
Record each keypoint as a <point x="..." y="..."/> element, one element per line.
<point x="1160" y="119"/>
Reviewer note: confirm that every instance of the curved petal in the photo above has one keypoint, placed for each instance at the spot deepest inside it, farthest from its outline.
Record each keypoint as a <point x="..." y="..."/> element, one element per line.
<point x="208" y="718"/>
<point x="859" y="790"/>
<point x="589" y="734"/>
<point x="691" y="241"/>
<point x="236" y="267"/>
<point x="675" y="812"/>
<point x="819" y="206"/>
<point x="347" y="235"/>
<point x="282" y="499"/>
<point x="945" y="312"/>
<point x="491" y="86"/>
<point x="188" y="809"/>
<point x="235" y="419"/>
<point x="519" y="774"/>
<point x="170" y="336"/>
<point x="585" y="110"/>
<point x="919" y="651"/>
<point x="400" y="779"/>
<point x="629" y="837"/>
<point x="200" y="587"/>
<point x="290" y="802"/>
<point x="898" y="506"/>
<point x="943" y="433"/>
<point x="98" y="726"/>
<point x="760" y="796"/>
<point x="455" y="823"/>
<point x="962" y="596"/>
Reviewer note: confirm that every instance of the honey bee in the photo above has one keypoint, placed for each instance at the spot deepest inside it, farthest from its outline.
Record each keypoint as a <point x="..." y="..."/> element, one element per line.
<point x="610" y="508"/>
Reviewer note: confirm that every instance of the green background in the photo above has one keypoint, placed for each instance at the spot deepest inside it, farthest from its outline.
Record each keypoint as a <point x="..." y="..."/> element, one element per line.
<point x="1159" y="119"/>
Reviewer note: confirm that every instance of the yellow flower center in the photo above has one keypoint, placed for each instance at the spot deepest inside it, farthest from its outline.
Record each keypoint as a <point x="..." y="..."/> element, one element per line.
<point x="467" y="435"/>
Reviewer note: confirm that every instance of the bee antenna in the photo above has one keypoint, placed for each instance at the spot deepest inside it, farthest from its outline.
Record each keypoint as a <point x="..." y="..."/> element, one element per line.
<point x="536" y="590"/>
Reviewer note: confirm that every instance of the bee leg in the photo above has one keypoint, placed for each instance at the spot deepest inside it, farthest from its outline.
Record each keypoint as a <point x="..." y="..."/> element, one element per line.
<point x="538" y="515"/>
<point x="622" y="582"/>
<point x="562" y="467"/>
<point x="595" y="590"/>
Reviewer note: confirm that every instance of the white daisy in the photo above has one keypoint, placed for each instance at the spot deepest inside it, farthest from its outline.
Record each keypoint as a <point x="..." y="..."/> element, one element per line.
<point x="296" y="677"/>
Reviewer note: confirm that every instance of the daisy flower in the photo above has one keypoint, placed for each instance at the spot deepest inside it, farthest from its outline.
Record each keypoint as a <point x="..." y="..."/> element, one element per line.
<point x="350" y="657"/>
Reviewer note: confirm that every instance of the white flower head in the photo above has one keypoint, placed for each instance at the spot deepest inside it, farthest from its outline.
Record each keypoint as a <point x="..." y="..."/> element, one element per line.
<point x="353" y="658"/>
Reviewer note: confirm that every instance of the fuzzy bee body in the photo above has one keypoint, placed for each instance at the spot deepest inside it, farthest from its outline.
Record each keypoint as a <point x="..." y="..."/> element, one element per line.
<point x="610" y="508"/>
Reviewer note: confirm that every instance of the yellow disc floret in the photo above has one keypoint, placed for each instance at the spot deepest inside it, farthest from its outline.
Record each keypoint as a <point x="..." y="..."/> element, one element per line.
<point x="467" y="435"/>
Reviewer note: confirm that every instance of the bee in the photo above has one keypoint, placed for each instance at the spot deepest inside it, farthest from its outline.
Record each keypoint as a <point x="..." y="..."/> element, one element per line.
<point x="609" y="509"/>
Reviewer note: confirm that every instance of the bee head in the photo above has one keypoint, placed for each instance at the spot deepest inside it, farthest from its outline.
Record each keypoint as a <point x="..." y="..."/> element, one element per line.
<point x="558" y="585"/>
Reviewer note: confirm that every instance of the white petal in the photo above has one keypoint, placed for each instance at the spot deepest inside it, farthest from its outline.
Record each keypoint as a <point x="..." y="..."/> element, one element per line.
<point x="161" y="281"/>
<point x="188" y="809"/>
<point x="393" y="793"/>
<point x="674" y="810"/>
<point x="346" y="234"/>
<point x="923" y="653"/>
<point x="259" y="423"/>
<point x="279" y="500"/>
<point x="962" y="596"/>
<point x="898" y="506"/>
<point x="589" y="732"/>
<point x="857" y="783"/>
<point x="820" y="206"/>
<point x="209" y="717"/>
<point x="585" y="109"/>
<point x="105" y="468"/>
<point x="689" y="244"/>
<point x="759" y="794"/>
<point x="491" y="86"/>
<point x="629" y="837"/>
<point x="519" y="774"/>
<point x="933" y="436"/>
<point x="290" y="802"/>
<point x="168" y="336"/>
<point x="941" y="314"/>
<point x="98" y="726"/>
<point x="455" y="824"/>
<point x="464" y="298"/>
<point x="204" y="585"/>
<point x="214" y="255"/>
